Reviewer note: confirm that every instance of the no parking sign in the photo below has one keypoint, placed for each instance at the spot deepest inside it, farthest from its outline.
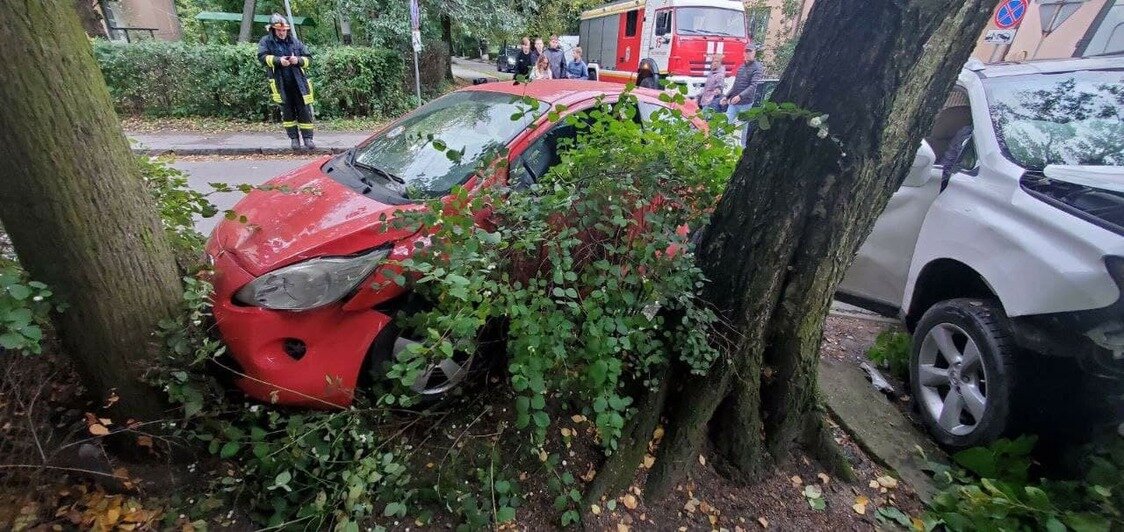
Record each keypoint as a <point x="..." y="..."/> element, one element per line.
<point x="1010" y="13"/>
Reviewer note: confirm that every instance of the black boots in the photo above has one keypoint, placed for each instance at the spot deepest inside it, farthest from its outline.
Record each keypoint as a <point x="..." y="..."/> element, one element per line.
<point x="308" y="144"/>
<point x="295" y="144"/>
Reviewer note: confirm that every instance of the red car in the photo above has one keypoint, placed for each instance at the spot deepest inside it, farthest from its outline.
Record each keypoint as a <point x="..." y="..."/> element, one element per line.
<point x="295" y="297"/>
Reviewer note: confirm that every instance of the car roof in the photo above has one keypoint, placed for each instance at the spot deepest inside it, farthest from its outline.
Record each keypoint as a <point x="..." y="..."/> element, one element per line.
<point x="1049" y="66"/>
<point x="559" y="91"/>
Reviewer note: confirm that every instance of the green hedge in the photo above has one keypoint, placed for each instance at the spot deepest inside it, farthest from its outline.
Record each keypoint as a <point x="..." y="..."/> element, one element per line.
<point x="177" y="79"/>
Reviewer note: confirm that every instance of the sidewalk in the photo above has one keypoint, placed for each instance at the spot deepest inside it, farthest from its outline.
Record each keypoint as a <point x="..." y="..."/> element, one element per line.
<point x="470" y="69"/>
<point x="187" y="143"/>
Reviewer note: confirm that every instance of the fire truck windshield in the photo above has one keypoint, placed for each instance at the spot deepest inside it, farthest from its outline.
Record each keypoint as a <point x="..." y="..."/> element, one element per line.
<point x="709" y="21"/>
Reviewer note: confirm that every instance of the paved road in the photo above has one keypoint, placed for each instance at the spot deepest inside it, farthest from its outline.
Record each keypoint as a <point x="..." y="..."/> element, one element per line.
<point x="232" y="172"/>
<point x="469" y="69"/>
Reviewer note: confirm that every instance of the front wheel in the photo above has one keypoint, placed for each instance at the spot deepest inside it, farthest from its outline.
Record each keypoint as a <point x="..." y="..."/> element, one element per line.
<point x="962" y="371"/>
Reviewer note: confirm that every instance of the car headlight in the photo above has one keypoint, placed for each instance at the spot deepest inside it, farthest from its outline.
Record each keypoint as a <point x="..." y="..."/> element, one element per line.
<point x="310" y="284"/>
<point x="511" y="60"/>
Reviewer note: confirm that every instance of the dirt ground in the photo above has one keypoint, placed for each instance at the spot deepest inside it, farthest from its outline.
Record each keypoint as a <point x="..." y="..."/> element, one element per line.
<point x="475" y="431"/>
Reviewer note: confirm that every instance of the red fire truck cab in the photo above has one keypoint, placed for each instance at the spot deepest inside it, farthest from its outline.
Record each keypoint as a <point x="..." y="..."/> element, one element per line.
<point x="680" y="36"/>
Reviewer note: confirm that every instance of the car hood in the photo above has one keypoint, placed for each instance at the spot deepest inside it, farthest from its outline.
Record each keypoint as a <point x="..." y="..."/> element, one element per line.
<point x="1102" y="177"/>
<point x="316" y="217"/>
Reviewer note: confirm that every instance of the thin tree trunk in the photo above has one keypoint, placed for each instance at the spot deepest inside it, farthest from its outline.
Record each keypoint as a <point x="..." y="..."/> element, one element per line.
<point x="795" y="211"/>
<point x="447" y="36"/>
<point x="244" y="32"/>
<point x="74" y="204"/>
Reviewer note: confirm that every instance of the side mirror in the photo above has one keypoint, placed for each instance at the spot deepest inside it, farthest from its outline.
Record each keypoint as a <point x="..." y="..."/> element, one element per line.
<point x="925" y="156"/>
<point x="921" y="169"/>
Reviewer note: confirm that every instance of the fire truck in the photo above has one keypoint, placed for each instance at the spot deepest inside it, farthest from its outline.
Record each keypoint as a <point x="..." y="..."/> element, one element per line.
<point x="679" y="36"/>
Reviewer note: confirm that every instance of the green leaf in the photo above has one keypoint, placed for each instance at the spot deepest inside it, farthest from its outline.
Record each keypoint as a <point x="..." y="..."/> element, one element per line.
<point x="1086" y="522"/>
<point x="542" y="420"/>
<point x="502" y="487"/>
<point x="1053" y="525"/>
<point x="890" y="513"/>
<point x="394" y="509"/>
<point x="505" y="514"/>
<point x="229" y="450"/>
<point x="817" y="504"/>
<point x="11" y="340"/>
<point x="979" y="460"/>
<point x="19" y="292"/>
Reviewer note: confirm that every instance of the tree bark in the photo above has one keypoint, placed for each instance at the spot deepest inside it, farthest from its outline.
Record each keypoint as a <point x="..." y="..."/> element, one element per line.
<point x="795" y="211"/>
<point x="245" y="31"/>
<point x="75" y="205"/>
<point x="90" y="18"/>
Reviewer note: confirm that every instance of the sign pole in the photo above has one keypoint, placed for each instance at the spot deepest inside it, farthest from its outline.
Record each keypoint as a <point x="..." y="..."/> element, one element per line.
<point x="415" y="43"/>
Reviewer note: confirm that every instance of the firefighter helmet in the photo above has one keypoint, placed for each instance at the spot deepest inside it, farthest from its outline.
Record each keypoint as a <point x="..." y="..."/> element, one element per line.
<point x="278" y="22"/>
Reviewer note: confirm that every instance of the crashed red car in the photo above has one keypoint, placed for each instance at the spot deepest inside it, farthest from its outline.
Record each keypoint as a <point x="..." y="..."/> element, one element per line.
<point x="299" y="296"/>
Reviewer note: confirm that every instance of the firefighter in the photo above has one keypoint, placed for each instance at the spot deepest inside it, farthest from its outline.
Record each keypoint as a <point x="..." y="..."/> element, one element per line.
<point x="285" y="59"/>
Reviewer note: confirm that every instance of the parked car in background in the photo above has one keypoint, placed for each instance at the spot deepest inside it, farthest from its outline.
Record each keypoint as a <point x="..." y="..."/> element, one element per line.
<point x="505" y="59"/>
<point x="300" y="296"/>
<point x="1003" y="250"/>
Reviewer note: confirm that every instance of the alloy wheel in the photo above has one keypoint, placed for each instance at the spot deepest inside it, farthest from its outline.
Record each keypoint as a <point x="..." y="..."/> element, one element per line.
<point x="441" y="376"/>
<point x="953" y="379"/>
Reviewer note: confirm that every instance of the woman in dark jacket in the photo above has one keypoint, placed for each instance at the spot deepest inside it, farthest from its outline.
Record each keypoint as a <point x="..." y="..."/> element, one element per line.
<point x="647" y="76"/>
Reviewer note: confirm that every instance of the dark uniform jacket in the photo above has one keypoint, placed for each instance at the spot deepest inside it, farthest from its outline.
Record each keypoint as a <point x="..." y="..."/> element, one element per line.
<point x="746" y="82"/>
<point x="270" y="51"/>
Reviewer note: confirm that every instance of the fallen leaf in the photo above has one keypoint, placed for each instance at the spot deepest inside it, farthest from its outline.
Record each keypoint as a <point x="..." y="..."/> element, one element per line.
<point x="543" y="456"/>
<point x="111" y="400"/>
<point x="588" y="476"/>
<point x="577" y="418"/>
<point x="888" y="482"/>
<point x="713" y="519"/>
<point x="97" y="429"/>
<point x="630" y="501"/>
<point x="704" y="507"/>
<point x="918" y="524"/>
<point x="764" y="522"/>
<point x="105" y="421"/>
<point x="860" y="505"/>
<point x="824" y="478"/>
<point x="649" y="461"/>
<point x="796" y="480"/>
<point x="702" y="460"/>
<point x="691" y="505"/>
<point x="566" y="433"/>
<point x="657" y="434"/>
<point x="595" y="510"/>
<point x="874" y="484"/>
<point x="621" y="527"/>
<point x="144" y="441"/>
<point x="813" y="491"/>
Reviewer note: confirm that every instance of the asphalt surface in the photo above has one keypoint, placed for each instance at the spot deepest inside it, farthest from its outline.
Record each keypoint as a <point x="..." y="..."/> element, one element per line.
<point x="232" y="172"/>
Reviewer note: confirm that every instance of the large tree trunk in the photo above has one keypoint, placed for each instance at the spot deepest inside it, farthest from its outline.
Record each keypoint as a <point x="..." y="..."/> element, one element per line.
<point x="244" y="32"/>
<point x="794" y="213"/>
<point x="74" y="204"/>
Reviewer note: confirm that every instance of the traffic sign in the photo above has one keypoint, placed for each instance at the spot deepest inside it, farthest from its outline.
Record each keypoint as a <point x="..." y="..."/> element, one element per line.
<point x="999" y="36"/>
<point x="1010" y="14"/>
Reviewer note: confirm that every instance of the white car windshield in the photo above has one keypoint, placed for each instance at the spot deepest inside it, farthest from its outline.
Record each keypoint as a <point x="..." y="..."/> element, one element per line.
<point x="476" y="124"/>
<point x="709" y="21"/>
<point x="1071" y="118"/>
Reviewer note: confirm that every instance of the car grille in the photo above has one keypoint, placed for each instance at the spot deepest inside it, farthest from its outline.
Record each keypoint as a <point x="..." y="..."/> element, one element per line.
<point x="702" y="68"/>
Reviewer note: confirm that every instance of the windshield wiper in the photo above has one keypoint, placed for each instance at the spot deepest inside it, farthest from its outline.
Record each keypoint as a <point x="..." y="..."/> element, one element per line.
<point x="355" y="163"/>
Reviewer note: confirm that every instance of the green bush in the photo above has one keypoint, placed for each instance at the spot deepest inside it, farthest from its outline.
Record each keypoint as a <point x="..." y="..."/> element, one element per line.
<point x="177" y="79"/>
<point x="891" y="351"/>
<point x="991" y="489"/>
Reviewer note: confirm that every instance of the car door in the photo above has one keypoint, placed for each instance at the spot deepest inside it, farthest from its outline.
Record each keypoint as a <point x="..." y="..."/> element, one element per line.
<point x="877" y="277"/>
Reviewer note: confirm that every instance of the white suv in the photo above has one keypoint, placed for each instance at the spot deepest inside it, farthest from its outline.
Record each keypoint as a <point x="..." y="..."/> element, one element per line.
<point x="1005" y="239"/>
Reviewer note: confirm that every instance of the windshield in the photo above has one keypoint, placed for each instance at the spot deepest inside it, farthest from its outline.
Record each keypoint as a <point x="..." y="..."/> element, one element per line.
<point x="1073" y="118"/>
<point x="709" y="21"/>
<point x="479" y="123"/>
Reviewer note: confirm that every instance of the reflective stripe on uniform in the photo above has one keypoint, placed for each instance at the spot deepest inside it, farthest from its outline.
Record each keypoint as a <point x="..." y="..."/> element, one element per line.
<point x="289" y="124"/>
<point x="304" y="62"/>
<point x="273" y="91"/>
<point x="269" y="61"/>
<point x="302" y="125"/>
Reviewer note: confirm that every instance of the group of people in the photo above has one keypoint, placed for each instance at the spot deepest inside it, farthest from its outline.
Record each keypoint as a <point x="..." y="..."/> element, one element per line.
<point x="536" y="62"/>
<point x="742" y="94"/>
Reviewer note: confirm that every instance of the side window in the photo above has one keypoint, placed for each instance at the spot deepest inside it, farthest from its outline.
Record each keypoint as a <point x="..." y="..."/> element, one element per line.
<point x="663" y="23"/>
<point x="630" y="20"/>
<point x="536" y="160"/>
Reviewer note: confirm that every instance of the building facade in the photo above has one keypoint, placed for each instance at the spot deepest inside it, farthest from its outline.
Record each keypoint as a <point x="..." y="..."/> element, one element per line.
<point x="1081" y="28"/>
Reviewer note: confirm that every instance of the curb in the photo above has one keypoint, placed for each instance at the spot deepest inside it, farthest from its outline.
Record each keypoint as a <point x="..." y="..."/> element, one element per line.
<point x="236" y="151"/>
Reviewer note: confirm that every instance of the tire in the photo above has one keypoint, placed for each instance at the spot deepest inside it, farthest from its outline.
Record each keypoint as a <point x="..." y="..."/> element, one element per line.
<point x="965" y="400"/>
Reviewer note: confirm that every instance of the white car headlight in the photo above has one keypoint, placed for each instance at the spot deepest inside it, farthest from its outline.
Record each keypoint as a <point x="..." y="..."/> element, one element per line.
<point x="510" y="60"/>
<point x="310" y="284"/>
